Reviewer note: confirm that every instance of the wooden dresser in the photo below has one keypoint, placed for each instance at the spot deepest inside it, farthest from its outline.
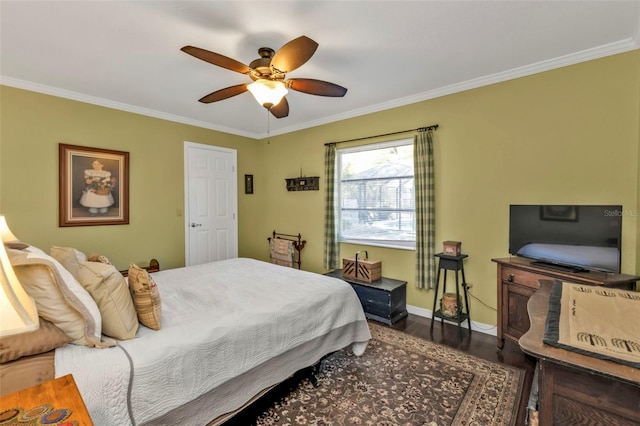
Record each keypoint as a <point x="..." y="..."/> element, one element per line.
<point x="577" y="389"/>
<point x="519" y="278"/>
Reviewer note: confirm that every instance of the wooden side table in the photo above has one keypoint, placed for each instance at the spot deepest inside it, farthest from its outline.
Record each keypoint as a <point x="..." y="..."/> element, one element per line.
<point x="54" y="402"/>
<point x="451" y="263"/>
<point x="383" y="300"/>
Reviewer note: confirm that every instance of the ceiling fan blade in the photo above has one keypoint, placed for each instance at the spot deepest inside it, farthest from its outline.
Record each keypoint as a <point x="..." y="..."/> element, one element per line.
<point x="316" y="87"/>
<point x="217" y="59"/>
<point x="293" y="54"/>
<point x="225" y="93"/>
<point x="281" y="110"/>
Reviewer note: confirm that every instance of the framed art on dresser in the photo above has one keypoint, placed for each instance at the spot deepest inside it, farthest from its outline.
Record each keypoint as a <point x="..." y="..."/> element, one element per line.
<point x="94" y="186"/>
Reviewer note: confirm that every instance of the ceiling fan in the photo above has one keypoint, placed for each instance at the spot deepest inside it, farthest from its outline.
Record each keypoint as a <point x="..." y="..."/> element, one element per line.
<point x="268" y="74"/>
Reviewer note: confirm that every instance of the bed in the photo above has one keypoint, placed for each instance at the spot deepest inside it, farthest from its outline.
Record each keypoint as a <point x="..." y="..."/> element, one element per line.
<point x="229" y="331"/>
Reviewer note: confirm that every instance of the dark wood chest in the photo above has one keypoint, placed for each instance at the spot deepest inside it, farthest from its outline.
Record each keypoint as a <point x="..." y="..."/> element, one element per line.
<point x="383" y="300"/>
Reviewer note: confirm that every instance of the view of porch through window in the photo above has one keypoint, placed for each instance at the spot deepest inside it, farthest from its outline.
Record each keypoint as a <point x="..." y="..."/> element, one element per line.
<point x="376" y="194"/>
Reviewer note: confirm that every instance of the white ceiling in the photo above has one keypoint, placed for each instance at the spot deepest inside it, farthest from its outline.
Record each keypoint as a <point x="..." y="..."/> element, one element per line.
<point x="126" y="54"/>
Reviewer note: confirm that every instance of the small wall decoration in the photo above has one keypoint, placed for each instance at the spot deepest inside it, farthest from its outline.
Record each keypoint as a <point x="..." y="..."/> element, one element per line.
<point x="248" y="184"/>
<point x="94" y="186"/>
<point x="303" y="184"/>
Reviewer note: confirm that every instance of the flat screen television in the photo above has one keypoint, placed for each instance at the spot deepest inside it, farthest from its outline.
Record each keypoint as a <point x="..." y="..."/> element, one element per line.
<point x="571" y="237"/>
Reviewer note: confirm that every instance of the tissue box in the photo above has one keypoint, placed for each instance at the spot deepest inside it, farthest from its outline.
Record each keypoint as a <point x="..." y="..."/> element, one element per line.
<point x="366" y="269"/>
<point x="451" y="248"/>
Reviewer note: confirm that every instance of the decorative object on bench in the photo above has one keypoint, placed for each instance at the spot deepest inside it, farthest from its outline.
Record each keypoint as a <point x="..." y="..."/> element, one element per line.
<point x="285" y="249"/>
<point x="362" y="269"/>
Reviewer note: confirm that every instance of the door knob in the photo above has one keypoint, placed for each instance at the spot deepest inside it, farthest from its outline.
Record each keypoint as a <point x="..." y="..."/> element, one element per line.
<point x="193" y="224"/>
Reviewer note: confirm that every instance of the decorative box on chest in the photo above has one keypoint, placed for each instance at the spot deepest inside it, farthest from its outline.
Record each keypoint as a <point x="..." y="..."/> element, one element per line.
<point x="362" y="269"/>
<point x="451" y="248"/>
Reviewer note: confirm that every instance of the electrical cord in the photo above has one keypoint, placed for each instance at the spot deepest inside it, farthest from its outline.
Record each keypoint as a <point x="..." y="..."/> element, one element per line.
<point x="475" y="324"/>
<point x="480" y="300"/>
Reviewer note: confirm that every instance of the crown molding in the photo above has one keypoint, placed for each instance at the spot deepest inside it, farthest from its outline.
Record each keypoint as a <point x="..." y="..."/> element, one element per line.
<point x="108" y="103"/>
<point x="610" y="49"/>
<point x="535" y="68"/>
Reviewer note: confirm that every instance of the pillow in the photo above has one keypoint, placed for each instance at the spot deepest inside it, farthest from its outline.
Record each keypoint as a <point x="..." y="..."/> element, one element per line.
<point x="93" y="257"/>
<point x="69" y="257"/>
<point x="146" y="297"/>
<point x="109" y="289"/>
<point x="47" y="337"/>
<point x="58" y="295"/>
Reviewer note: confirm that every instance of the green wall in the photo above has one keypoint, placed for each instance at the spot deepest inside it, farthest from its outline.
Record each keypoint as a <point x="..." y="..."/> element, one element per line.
<point x="570" y="135"/>
<point x="565" y="136"/>
<point x="32" y="126"/>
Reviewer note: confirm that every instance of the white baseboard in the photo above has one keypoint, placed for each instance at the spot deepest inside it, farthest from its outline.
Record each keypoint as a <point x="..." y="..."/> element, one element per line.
<point x="475" y="326"/>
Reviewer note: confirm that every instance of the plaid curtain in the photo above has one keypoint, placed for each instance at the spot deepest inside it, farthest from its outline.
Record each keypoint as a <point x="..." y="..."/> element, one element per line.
<point x="425" y="209"/>
<point x="331" y="246"/>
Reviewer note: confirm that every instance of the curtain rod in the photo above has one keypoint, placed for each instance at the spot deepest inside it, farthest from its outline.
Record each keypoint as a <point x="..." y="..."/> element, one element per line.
<point x="419" y="129"/>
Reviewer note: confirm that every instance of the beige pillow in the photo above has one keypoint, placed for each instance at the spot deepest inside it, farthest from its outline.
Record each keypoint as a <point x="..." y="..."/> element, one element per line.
<point x="94" y="257"/>
<point x="47" y="337"/>
<point x="146" y="297"/>
<point x="109" y="289"/>
<point x="58" y="295"/>
<point x="69" y="257"/>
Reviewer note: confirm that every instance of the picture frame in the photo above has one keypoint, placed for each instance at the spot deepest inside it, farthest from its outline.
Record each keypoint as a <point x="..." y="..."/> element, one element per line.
<point x="559" y="213"/>
<point x="248" y="184"/>
<point x="93" y="186"/>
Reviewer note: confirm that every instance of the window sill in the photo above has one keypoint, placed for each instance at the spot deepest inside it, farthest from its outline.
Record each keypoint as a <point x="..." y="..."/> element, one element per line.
<point x="379" y="244"/>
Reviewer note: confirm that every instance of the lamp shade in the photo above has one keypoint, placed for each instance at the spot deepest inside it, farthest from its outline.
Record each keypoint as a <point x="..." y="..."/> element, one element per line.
<point x="267" y="92"/>
<point x="18" y="313"/>
<point x="5" y="233"/>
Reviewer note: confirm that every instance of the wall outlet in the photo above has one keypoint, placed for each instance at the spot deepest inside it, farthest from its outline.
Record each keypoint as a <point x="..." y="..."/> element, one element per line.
<point x="469" y="285"/>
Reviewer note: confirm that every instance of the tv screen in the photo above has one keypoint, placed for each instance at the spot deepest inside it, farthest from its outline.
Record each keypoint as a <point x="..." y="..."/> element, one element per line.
<point x="578" y="237"/>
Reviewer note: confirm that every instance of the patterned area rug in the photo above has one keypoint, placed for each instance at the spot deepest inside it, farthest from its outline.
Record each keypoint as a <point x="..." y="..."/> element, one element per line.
<point x="403" y="380"/>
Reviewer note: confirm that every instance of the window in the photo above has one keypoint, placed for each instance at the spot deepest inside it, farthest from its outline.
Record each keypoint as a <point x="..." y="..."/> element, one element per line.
<point x="376" y="203"/>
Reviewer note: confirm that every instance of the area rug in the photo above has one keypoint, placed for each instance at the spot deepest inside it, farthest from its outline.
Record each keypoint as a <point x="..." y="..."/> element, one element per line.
<point x="403" y="380"/>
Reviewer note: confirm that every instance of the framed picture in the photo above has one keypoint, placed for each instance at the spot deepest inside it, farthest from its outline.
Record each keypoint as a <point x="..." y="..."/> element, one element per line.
<point x="94" y="186"/>
<point x="248" y="184"/>
<point x="561" y="213"/>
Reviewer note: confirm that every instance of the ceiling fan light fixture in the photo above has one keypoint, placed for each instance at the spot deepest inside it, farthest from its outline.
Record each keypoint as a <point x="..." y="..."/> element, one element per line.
<point x="268" y="92"/>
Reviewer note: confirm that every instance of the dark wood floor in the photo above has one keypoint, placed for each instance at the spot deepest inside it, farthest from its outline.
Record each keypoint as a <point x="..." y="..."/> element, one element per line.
<point x="475" y="343"/>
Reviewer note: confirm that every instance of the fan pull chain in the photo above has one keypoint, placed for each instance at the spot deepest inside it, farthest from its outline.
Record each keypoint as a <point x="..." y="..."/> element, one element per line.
<point x="268" y="129"/>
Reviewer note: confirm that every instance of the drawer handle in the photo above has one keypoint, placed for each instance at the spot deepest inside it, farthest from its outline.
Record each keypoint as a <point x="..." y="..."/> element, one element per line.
<point x="510" y="279"/>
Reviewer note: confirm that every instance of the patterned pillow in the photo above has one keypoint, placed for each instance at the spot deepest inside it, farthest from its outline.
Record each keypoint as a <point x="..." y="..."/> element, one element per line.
<point x="58" y="295"/>
<point x="109" y="289"/>
<point x="146" y="297"/>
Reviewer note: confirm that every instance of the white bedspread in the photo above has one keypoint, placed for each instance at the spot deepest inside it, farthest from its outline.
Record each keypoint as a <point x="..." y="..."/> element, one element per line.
<point x="219" y="320"/>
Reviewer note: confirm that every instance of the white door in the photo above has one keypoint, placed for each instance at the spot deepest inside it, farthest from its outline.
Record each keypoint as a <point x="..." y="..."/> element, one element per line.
<point x="211" y="225"/>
